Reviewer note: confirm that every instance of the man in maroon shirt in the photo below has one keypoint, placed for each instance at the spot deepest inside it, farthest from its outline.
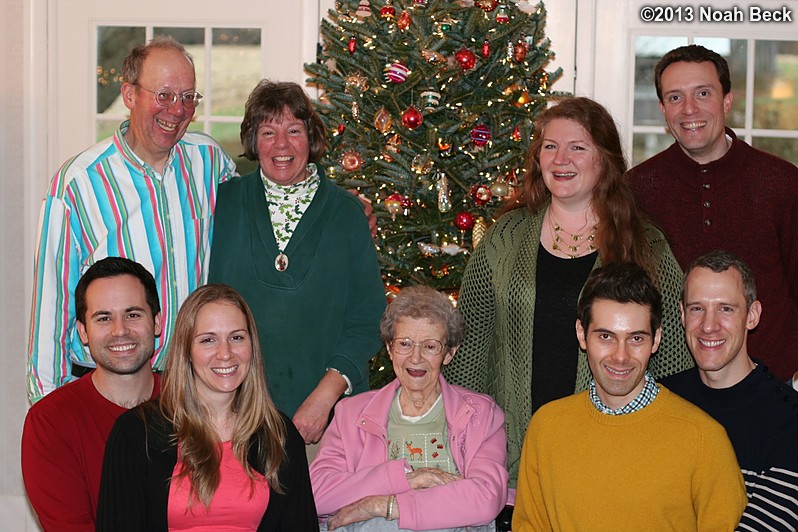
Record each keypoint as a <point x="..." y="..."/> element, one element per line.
<point x="63" y="441"/>
<point x="711" y="190"/>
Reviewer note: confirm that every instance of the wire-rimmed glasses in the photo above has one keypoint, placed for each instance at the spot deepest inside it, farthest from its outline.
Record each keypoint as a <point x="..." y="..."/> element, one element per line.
<point x="166" y="98"/>
<point x="430" y="348"/>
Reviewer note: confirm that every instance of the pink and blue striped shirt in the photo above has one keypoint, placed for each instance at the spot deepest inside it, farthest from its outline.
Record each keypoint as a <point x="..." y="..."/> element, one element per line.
<point x="108" y="202"/>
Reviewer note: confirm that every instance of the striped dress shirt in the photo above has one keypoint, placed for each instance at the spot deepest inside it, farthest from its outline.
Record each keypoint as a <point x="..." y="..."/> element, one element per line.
<point x="108" y="202"/>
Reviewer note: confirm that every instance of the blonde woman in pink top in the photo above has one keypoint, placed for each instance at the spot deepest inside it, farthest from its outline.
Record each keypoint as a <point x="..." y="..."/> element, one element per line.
<point x="213" y="453"/>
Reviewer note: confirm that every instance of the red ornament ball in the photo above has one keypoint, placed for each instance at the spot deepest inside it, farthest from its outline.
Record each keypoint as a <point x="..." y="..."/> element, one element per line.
<point x="352" y="46"/>
<point x="480" y="194"/>
<point x="465" y="58"/>
<point x="464" y="220"/>
<point x="480" y="135"/>
<point x="412" y="118"/>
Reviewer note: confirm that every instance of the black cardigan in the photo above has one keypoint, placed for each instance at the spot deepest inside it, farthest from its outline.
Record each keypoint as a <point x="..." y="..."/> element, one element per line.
<point x="140" y="459"/>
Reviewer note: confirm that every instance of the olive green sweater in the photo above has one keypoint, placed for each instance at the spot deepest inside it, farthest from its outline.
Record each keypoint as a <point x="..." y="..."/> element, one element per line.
<point x="497" y="299"/>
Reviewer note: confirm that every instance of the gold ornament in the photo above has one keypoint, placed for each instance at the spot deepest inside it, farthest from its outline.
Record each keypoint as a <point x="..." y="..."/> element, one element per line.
<point x="433" y="57"/>
<point x="392" y="147"/>
<point x="383" y="120"/>
<point x="478" y="231"/>
<point x="522" y="99"/>
<point x="422" y="164"/>
<point x="356" y="83"/>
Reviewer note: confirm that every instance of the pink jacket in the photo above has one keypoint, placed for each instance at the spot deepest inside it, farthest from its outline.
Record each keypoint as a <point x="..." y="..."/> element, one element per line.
<point x="352" y="462"/>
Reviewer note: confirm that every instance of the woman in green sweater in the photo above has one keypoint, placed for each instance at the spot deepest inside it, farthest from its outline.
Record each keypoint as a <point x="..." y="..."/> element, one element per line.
<point x="298" y="248"/>
<point x="574" y="212"/>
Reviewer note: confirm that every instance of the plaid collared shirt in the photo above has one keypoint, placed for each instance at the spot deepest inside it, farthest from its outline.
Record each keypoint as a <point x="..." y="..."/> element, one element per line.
<point x="643" y="399"/>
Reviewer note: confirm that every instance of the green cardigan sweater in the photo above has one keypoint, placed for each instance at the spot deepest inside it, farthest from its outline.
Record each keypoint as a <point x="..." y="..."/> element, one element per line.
<point x="324" y="310"/>
<point x="497" y="299"/>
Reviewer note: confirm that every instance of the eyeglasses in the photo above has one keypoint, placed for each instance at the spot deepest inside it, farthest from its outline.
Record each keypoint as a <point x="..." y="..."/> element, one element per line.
<point x="429" y="348"/>
<point x="166" y="98"/>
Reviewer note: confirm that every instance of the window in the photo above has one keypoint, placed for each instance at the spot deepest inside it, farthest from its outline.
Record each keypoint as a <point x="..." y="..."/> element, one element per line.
<point x="764" y="75"/>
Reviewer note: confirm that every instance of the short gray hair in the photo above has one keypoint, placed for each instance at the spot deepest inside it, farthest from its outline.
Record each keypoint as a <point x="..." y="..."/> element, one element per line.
<point x="721" y="260"/>
<point x="423" y="303"/>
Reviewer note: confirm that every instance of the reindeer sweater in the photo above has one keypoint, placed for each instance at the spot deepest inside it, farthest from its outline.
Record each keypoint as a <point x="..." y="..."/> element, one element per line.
<point x="353" y="463"/>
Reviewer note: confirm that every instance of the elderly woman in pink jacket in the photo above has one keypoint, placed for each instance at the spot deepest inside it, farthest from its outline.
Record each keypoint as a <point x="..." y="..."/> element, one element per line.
<point x="420" y="453"/>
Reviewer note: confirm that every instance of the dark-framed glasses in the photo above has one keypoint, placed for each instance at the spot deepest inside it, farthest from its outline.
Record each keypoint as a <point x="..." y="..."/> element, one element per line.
<point x="166" y="98"/>
<point x="429" y="348"/>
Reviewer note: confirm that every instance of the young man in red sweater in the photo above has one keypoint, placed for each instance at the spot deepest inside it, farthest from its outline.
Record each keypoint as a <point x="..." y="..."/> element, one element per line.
<point x="63" y="440"/>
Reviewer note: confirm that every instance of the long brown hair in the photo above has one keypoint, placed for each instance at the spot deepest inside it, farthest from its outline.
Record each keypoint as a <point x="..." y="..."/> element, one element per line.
<point x="620" y="232"/>
<point x="200" y="456"/>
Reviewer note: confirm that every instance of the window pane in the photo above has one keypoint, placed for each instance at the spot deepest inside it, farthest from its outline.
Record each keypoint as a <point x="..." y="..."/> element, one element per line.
<point x="648" y="50"/>
<point x="228" y="135"/>
<point x="784" y="148"/>
<point x="106" y="128"/>
<point x="113" y="44"/>
<point x="646" y="145"/>
<point x="235" y="60"/>
<point x="775" y="84"/>
<point x="735" y="53"/>
<point x="194" y="41"/>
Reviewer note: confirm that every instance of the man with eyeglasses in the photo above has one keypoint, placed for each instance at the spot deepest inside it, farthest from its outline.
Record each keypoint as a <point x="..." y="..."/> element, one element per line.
<point x="146" y="194"/>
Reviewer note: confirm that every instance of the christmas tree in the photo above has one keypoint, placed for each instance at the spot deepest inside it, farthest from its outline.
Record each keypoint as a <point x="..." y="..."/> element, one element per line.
<point x="429" y="107"/>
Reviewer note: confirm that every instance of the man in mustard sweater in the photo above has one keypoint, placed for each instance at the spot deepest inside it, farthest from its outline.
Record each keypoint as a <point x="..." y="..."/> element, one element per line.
<point x="626" y="454"/>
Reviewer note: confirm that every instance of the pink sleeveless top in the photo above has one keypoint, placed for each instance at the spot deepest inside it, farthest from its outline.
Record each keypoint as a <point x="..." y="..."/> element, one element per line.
<point x="235" y="505"/>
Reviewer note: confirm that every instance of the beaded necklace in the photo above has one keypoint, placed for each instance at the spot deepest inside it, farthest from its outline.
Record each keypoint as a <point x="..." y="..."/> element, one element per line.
<point x="573" y="245"/>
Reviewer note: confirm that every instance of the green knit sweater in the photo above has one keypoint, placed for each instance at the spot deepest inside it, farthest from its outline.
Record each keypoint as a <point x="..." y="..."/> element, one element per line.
<point x="324" y="310"/>
<point x="497" y="299"/>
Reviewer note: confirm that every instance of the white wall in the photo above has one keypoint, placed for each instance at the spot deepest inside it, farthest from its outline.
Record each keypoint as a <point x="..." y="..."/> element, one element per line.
<point x="15" y="264"/>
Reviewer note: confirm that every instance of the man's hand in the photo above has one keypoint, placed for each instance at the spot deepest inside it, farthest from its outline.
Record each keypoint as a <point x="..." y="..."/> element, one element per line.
<point x="428" y="477"/>
<point x="368" y="210"/>
<point x="362" y="510"/>
<point x="312" y="415"/>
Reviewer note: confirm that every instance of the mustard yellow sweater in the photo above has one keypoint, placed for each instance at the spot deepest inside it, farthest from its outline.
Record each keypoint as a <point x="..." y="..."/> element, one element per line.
<point x="668" y="466"/>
